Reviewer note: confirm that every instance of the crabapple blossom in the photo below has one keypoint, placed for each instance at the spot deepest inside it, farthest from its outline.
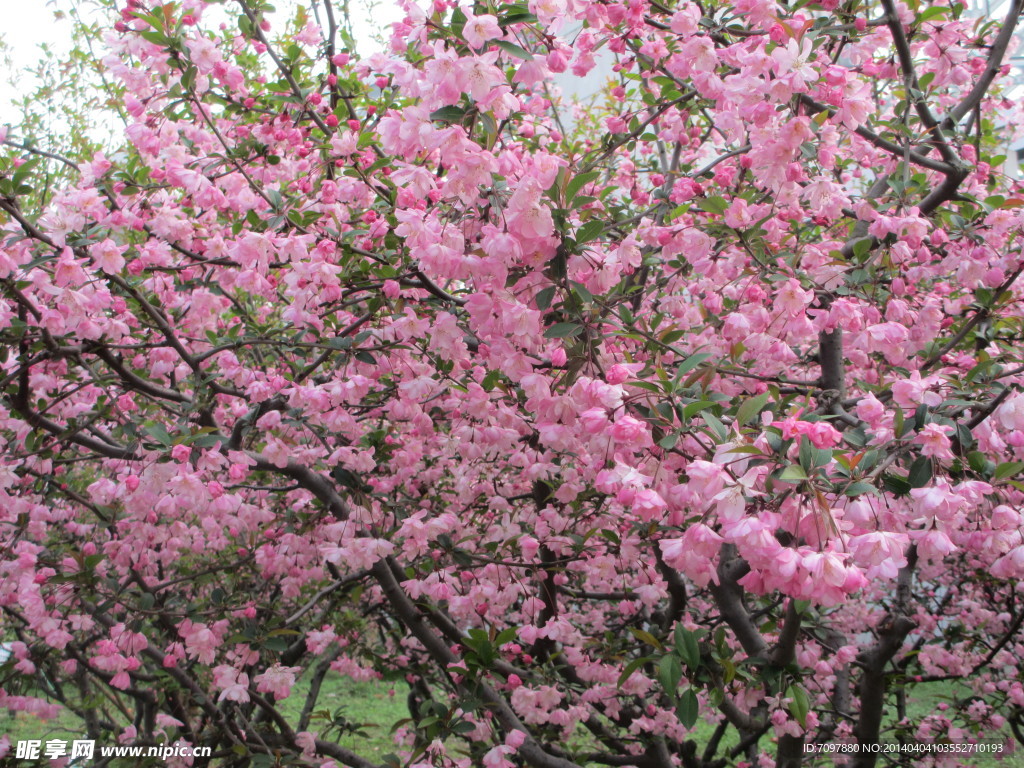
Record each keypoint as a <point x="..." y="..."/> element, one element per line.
<point x="576" y="425"/>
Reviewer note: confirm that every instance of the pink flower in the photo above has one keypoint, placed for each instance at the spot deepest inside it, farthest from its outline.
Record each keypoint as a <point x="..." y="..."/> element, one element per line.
<point x="594" y="420"/>
<point x="557" y="61"/>
<point x="880" y="552"/>
<point x="826" y="568"/>
<point x="890" y="339"/>
<point x="934" y="441"/>
<point x="911" y="392"/>
<point x="1011" y="413"/>
<point x="621" y="372"/>
<point x="792" y="298"/>
<point x="694" y="553"/>
<point x="527" y="217"/>
<point x="496" y="758"/>
<point x="480" y="29"/>
<point x="626" y="429"/>
<point x="201" y="641"/>
<point x="871" y="410"/>
<point x="822" y="434"/>
<point x="277" y="680"/>
<point x="648" y="504"/>
<point x="233" y="685"/>
<point x="935" y="545"/>
<point x="686" y="21"/>
<point x="515" y="739"/>
<point x="107" y="256"/>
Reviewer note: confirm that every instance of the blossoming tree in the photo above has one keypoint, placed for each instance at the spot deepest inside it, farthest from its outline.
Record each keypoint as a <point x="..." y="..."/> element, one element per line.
<point x="683" y="432"/>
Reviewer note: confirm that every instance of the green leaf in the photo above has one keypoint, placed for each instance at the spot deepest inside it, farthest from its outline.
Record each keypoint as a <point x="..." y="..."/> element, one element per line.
<point x="751" y="408"/>
<point x="691" y="362"/>
<point x="920" y="472"/>
<point x="1008" y="469"/>
<point x="630" y="668"/>
<point x="647" y="637"/>
<point x="449" y="114"/>
<point x="278" y="644"/>
<point x="519" y="17"/>
<point x="544" y="297"/>
<point x="977" y="461"/>
<point x="752" y="450"/>
<point x="820" y="457"/>
<point x="714" y="204"/>
<point x="669" y="441"/>
<point x="858" y="488"/>
<point x="688" y="708"/>
<point x="793" y="473"/>
<point x="159" y="433"/>
<point x="800" y="704"/>
<point x="809" y="458"/>
<point x="581" y="290"/>
<point x="895" y="484"/>
<point x="562" y="330"/>
<point x="589" y="231"/>
<point x="715" y="424"/>
<point x="861" y="248"/>
<point x="506" y="636"/>
<point x="692" y="409"/>
<point x="687" y="646"/>
<point x="513" y="49"/>
<point x="932" y="13"/>
<point x="490" y="380"/>
<point x="155" y="37"/>
<point x="349" y="479"/>
<point x="670" y="672"/>
<point x="458" y="21"/>
<point x="899" y="425"/>
<point x="648" y="385"/>
<point x="578" y="183"/>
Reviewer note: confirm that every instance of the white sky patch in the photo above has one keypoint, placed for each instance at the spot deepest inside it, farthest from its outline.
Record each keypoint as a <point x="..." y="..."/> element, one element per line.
<point x="30" y="24"/>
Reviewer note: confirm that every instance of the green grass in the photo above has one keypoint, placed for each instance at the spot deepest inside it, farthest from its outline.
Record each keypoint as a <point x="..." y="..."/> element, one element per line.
<point x="368" y="710"/>
<point x="374" y="706"/>
<point x="928" y="698"/>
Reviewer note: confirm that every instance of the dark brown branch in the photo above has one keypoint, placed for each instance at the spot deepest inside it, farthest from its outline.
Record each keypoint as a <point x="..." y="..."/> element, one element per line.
<point x="309" y="479"/>
<point x="406" y="611"/>
<point x="889" y="146"/>
<point x="728" y="595"/>
<point x="995" y="61"/>
<point x="891" y="633"/>
<point x="914" y="96"/>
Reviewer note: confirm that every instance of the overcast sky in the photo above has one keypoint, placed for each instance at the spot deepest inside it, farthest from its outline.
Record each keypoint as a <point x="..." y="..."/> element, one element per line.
<point x="28" y="24"/>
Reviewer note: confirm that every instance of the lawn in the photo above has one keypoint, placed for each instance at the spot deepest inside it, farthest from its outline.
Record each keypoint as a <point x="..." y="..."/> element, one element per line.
<point x="370" y="709"/>
<point x="375" y="706"/>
